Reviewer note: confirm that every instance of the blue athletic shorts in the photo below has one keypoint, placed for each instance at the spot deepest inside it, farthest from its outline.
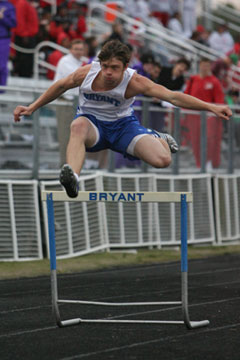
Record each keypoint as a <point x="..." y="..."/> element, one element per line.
<point x="117" y="135"/>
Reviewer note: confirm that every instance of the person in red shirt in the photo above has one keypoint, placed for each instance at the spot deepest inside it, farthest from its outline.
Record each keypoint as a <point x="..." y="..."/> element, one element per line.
<point x="56" y="55"/>
<point x="44" y="3"/>
<point x="206" y="87"/>
<point x="25" y="36"/>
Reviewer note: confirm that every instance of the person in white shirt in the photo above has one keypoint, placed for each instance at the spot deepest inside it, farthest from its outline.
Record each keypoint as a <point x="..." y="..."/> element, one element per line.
<point x="69" y="63"/>
<point x="161" y="9"/>
<point x="175" y="24"/>
<point x="138" y="9"/>
<point x="189" y="16"/>
<point x="221" y="40"/>
<point x="66" y="65"/>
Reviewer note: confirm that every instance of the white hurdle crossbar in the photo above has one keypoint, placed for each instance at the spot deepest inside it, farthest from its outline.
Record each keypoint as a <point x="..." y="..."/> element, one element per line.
<point x="91" y="196"/>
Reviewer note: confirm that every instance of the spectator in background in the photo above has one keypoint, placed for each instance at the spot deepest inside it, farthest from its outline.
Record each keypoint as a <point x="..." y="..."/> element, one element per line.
<point x="221" y="40"/>
<point x="172" y="77"/>
<point x="221" y="69"/>
<point x="56" y="55"/>
<point x="61" y="23"/>
<point x="160" y="9"/>
<point x="156" y="70"/>
<point x="91" y="47"/>
<point x="189" y="16"/>
<point x="145" y="66"/>
<point x="7" y="22"/>
<point x="44" y="24"/>
<point x="67" y="65"/>
<point x="232" y="98"/>
<point x="236" y="47"/>
<point x="134" y="60"/>
<point x="201" y="35"/>
<point x="174" y="6"/>
<point x="138" y="9"/>
<point x="44" y="4"/>
<point x="157" y="118"/>
<point x="175" y="24"/>
<point x="77" y="13"/>
<point x="25" y="37"/>
<point x="117" y="32"/>
<point x="206" y="87"/>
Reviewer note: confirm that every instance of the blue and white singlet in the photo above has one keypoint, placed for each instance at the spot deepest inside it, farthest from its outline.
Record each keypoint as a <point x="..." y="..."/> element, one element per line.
<point x="108" y="105"/>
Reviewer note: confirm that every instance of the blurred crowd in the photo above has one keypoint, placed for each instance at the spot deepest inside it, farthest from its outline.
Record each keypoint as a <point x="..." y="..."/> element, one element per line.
<point x="28" y="22"/>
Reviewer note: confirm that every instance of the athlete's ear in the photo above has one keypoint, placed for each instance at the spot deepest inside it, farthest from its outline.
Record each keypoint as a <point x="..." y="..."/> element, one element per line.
<point x="126" y="66"/>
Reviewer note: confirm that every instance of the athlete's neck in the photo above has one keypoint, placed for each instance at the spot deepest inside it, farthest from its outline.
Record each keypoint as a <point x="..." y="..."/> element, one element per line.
<point x="101" y="84"/>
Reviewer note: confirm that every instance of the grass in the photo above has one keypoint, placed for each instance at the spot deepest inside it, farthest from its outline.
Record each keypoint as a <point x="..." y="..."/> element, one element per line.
<point x="13" y="270"/>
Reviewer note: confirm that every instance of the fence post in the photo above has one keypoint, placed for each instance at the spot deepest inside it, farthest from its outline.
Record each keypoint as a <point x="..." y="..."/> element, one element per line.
<point x="230" y="168"/>
<point x="203" y="140"/>
<point x="36" y="136"/>
<point x="177" y="136"/>
<point x="145" y="122"/>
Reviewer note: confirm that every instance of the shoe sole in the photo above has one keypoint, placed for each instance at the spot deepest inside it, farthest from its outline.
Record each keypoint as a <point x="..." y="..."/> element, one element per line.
<point x="67" y="179"/>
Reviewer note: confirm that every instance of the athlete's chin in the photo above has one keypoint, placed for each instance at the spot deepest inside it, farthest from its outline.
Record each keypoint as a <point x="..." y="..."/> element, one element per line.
<point x="110" y="81"/>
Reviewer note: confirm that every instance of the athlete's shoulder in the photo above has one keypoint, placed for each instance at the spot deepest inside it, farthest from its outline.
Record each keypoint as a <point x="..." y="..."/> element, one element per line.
<point x="80" y="74"/>
<point x="137" y="85"/>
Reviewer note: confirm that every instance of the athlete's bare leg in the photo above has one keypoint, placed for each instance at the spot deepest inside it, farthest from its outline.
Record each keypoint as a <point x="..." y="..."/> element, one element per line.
<point x="82" y="134"/>
<point x="154" y="151"/>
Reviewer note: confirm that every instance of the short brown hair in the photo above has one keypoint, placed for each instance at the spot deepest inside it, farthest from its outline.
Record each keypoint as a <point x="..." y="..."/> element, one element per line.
<point x="184" y="61"/>
<point x="76" y="41"/>
<point x="115" y="48"/>
<point x="204" y="59"/>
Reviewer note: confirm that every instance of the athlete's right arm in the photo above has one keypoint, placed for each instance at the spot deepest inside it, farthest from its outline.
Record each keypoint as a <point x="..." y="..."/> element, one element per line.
<point x="54" y="91"/>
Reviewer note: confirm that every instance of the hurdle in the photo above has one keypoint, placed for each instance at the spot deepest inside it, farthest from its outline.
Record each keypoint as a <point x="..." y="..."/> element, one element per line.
<point x="92" y="196"/>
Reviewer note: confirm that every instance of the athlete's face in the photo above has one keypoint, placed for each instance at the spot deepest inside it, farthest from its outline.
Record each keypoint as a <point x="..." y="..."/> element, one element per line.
<point x="112" y="72"/>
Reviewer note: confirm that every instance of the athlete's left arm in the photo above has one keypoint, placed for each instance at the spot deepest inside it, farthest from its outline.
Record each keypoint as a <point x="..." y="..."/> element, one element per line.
<point x="142" y="85"/>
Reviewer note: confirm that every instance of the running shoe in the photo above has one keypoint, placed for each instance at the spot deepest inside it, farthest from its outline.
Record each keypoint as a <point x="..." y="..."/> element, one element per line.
<point x="69" y="181"/>
<point x="173" y="146"/>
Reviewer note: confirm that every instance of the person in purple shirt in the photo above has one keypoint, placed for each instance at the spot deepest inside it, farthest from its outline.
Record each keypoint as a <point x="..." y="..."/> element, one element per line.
<point x="7" y="22"/>
<point x="144" y="67"/>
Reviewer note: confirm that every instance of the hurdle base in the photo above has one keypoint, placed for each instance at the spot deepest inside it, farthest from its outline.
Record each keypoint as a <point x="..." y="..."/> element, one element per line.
<point x="77" y="321"/>
<point x="69" y="322"/>
<point x="196" y="324"/>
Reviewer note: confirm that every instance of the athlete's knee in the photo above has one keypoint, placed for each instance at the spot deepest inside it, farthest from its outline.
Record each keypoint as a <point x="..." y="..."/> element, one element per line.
<point x="161" y="160"/>
<point x="79" y="127"/>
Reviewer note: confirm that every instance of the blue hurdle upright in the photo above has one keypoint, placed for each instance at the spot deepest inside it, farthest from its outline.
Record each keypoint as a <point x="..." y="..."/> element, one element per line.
<point x="176" y="197"/>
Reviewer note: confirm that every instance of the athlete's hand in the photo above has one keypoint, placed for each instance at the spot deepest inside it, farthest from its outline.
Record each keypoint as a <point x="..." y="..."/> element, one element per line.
<point x="20" y="111"/>
<point x="222" y="111"/>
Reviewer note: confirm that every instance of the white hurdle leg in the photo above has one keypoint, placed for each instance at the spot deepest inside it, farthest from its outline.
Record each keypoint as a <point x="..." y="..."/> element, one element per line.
<point x="155" y="197"/>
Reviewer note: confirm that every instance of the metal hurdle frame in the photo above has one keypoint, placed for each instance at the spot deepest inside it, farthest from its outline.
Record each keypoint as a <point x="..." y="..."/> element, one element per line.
<point x="90" y="196"/>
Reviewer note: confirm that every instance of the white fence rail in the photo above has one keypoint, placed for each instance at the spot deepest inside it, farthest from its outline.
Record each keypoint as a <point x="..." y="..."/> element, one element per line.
<point x="20" y="234"/>
<point x="227" y="207"/>
<point x="81" y="228"/>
